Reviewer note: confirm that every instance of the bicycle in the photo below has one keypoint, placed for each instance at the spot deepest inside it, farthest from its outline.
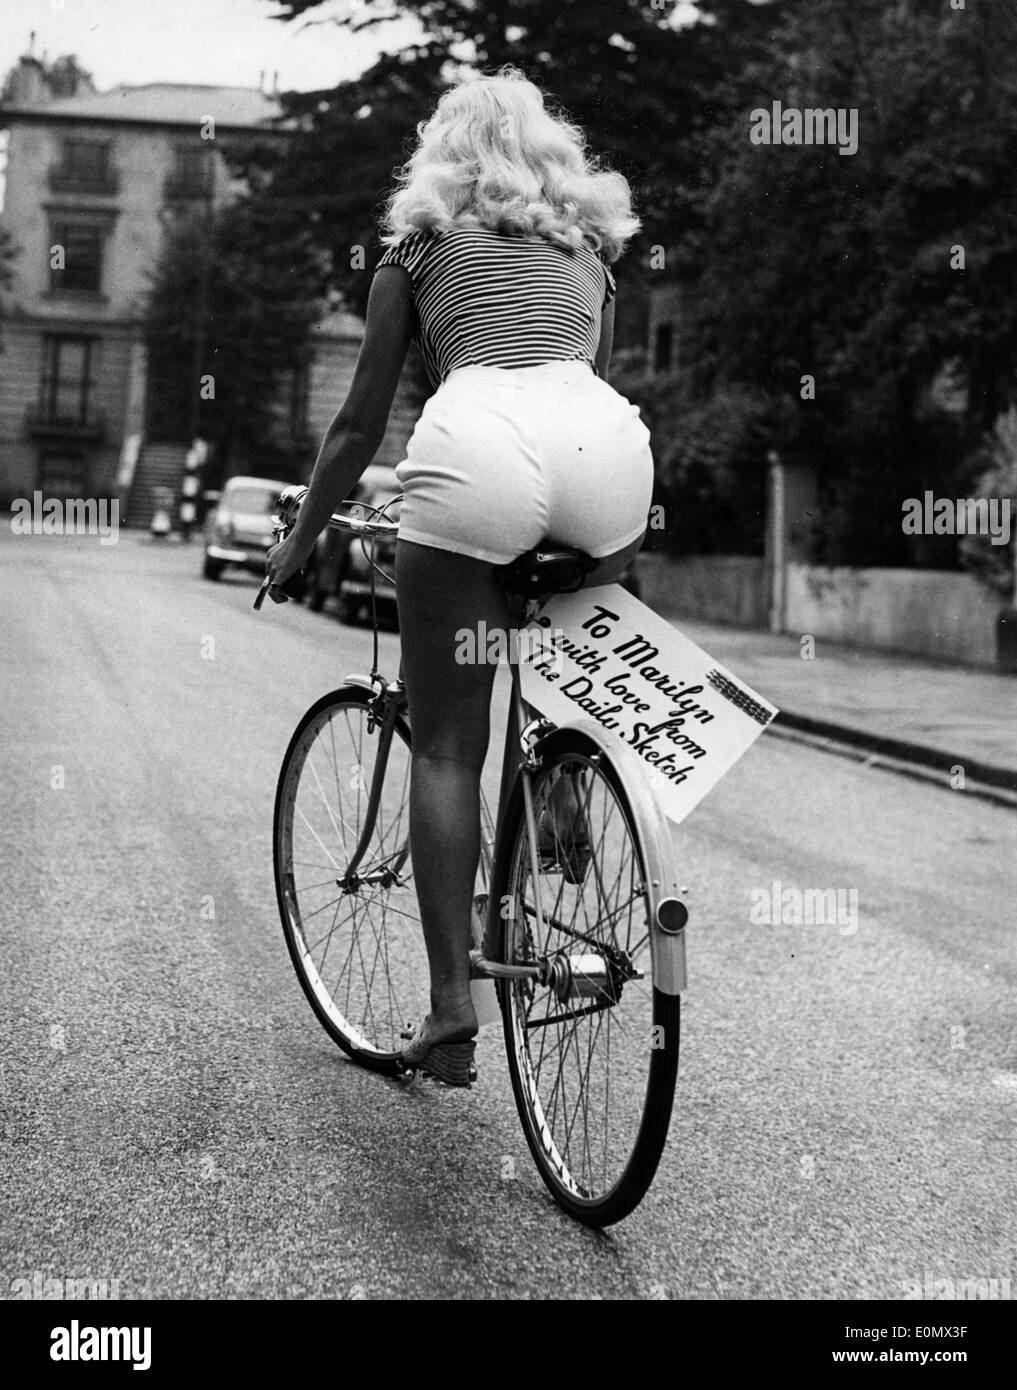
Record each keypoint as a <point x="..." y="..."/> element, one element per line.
<point x="579" y="926"/>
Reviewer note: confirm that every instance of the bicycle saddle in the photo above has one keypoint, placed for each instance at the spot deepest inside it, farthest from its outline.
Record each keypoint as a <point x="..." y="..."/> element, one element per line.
<point x="547" y="569"/>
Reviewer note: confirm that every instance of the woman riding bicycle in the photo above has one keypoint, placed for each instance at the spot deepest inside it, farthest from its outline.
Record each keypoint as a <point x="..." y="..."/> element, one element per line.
<point x="499" y="237"/>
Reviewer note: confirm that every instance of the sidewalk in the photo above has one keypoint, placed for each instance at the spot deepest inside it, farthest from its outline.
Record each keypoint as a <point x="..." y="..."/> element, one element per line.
<point x="896" y="706"/>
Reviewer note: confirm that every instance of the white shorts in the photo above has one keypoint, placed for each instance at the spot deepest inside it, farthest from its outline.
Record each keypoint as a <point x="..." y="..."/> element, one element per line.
<point x="504" y="458"/>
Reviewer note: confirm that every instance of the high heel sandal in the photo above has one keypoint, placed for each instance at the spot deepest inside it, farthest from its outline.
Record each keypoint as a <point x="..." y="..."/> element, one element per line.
<point x="451" y="1062"/>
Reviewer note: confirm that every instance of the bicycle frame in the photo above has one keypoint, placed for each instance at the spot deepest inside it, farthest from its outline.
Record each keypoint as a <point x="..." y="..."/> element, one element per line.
<point x="576" y="882"/>
<point x="519" y="760"/>
<point x="392" y="698"/>
<point x="389" y="699"/>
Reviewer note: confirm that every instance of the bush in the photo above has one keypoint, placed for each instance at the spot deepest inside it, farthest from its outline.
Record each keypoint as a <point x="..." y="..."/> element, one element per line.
<point x="710" y="457"/>
<point x="992" y="564"/>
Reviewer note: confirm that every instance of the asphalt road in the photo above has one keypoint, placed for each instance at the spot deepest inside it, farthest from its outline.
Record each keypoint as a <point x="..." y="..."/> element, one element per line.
<point x="174" y="1118"/>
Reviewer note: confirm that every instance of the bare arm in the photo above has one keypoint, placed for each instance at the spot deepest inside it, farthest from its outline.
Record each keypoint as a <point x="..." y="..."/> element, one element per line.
<point x="356" y="432"/>
<point x="603" y="356"/>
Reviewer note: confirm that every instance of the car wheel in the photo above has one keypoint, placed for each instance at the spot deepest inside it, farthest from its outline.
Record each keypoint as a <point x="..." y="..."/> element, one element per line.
<point x="212" y="569"/>
<point x="316" y="599"/>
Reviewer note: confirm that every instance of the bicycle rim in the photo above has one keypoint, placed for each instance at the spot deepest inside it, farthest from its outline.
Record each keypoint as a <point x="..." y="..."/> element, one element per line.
<point x="356" y="943"/>
<point x="593" y="1054"/>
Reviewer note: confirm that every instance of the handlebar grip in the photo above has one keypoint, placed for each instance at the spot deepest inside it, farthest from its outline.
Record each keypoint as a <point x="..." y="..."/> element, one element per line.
<point x="280" y="593"/>
<point x="292" y="588"/>
<point x="283" y="522"/>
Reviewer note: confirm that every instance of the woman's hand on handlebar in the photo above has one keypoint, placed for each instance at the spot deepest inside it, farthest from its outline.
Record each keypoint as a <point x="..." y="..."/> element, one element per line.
<point x="283" y="561"/>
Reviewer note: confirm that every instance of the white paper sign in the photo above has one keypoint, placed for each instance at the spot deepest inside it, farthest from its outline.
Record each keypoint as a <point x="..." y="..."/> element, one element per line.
<point x="601" y="654"/>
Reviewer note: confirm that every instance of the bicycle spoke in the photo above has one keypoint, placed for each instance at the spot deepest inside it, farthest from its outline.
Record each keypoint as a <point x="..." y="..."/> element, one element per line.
<point x="583" y="1040"/>
<point x="362" y="956"/>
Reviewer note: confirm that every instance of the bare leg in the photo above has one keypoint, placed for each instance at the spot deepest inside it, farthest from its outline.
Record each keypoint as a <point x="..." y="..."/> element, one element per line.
<point x="440" y="595"/>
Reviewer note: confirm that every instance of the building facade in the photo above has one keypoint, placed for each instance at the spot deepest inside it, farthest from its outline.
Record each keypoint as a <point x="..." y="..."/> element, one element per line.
<point x="87" y="185"/>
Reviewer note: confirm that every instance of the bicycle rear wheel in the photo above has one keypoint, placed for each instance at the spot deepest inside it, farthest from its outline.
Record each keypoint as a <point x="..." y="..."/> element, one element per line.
<point x="355" y="940"/>
<point x="593" y="1053"/>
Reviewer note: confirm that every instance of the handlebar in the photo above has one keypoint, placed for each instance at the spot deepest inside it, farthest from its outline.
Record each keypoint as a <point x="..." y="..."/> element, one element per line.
<point x="357" y="518"/>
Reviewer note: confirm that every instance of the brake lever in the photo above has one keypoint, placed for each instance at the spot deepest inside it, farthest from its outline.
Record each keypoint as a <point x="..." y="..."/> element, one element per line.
<point x="282" y="525"/>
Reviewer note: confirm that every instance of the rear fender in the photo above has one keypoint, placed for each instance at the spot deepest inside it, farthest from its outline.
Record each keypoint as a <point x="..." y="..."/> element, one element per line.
<point x="667" y="947"/>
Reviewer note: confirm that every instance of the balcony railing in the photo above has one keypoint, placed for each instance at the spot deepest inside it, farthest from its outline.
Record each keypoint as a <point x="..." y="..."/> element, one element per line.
<point x="68" y="179"/>
<point x="42" y="421"/>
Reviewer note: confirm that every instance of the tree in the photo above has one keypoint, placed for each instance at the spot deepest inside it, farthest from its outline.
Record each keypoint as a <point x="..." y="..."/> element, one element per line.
<point x="852" y="274"/>
<point x="824" y="295"/>
<point x="232" y="302"/>
<point x="984" y="555"/>
<point x="640" y="87"/>
<point x="64" y="77"/>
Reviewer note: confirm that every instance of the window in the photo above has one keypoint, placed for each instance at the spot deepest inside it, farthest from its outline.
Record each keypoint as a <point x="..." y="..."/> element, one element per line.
<point x="193" y="172"/>
<point x="85" y="165"/>
<point x="250" y="501"/>
<point x="662" y="348"/>
<point x="65" y="379"/>
<point x="82" y="245"/>
<point x="61" y="475"/>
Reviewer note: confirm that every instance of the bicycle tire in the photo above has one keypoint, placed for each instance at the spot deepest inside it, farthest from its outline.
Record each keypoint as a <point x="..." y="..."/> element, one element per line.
<point x="641" y="1146"/>
<point x="365" y="1018"/>
<point x="393" y="1006"/>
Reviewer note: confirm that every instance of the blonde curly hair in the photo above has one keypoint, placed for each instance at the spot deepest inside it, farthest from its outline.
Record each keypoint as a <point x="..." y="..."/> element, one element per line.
<point x="493" y="156"/>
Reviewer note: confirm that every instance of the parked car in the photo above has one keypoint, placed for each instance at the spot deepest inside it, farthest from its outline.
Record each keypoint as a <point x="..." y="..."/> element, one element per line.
<point x="239" y="529"/>
<point x="337" y="568"/>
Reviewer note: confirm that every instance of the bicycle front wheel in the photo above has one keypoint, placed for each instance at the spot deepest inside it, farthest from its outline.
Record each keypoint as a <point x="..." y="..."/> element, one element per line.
<point x="593" y="1052"/>
<point x="354" y="936"/>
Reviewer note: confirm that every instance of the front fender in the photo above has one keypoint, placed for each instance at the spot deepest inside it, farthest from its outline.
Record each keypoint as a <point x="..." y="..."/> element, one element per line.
<point x="358" y="679"/>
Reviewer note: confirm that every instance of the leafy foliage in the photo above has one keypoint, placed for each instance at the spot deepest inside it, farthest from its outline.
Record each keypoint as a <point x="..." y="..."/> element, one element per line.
<point x="64" y="76"/>
<point x="641" y="88"/>
<point x="793" y="261"/>
<point x="846" y="267"/>
<point x="233" y="298"/>
<point x="711" y="453"/>
<point x="994" y="564"/>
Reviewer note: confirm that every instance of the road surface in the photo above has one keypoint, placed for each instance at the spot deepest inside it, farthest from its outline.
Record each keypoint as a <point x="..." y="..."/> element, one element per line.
<point x="175" y="1120"/>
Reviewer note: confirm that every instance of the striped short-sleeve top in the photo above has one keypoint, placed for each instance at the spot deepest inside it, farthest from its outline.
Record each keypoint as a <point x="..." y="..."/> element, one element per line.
<point x="484" y="298"/>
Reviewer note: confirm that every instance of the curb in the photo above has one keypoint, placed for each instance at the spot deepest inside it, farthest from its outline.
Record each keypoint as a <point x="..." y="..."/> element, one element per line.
<point x="998" y="784"/>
